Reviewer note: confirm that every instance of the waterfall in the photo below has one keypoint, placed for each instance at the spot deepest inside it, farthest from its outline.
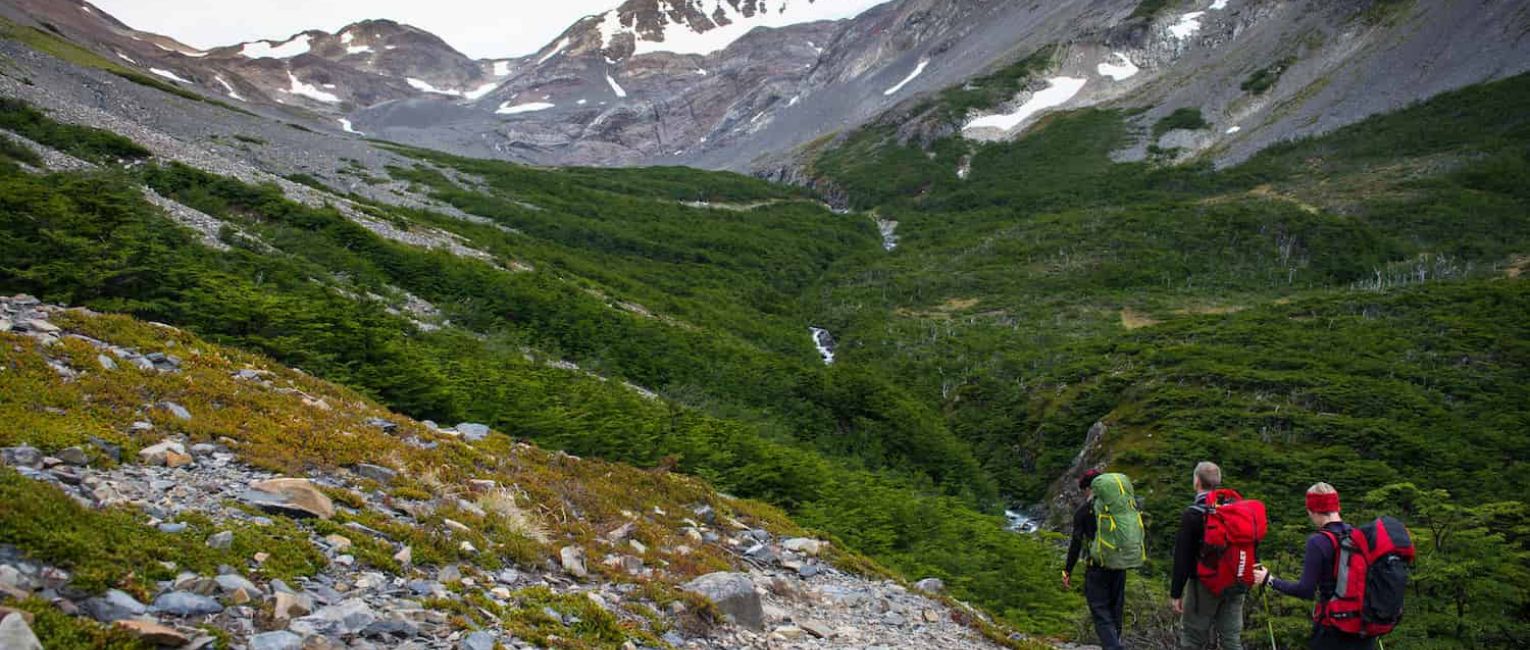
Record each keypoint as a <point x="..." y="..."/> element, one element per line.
<point x="824" y="341"/>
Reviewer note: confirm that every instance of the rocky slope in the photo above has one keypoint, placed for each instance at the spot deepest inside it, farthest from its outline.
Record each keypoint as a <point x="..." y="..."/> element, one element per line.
<point x="735" y="84"/>
<point x="261" y="508"/>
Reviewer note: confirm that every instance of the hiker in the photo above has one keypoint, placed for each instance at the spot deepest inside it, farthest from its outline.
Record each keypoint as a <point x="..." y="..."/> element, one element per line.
<point x="1214" y="558"/>
<point x="1108" y="498"/>
<point x="1320" y="571"/>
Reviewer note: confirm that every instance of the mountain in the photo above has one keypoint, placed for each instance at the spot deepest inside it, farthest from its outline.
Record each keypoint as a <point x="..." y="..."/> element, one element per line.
<point x="362" y="64"/>
<point x="744" y="84"/>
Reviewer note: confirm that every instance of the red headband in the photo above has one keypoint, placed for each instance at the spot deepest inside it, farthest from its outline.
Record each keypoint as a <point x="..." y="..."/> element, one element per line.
<point x="1323" y="502"/>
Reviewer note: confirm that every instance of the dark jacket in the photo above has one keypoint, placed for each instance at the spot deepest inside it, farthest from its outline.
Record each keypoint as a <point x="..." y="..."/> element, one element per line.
<point x="1084" y="527"/>
<point x="1187" y="546"/>
<point x="1318" y="579"/>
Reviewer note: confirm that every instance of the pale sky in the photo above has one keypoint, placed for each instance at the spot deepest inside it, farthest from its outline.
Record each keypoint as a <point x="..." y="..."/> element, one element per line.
<point x="480" y="28"/>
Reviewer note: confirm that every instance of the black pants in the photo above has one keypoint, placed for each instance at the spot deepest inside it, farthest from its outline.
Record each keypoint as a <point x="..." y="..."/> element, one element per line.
<point x="1105" y="590"/>
<point x="1328" y="639"/>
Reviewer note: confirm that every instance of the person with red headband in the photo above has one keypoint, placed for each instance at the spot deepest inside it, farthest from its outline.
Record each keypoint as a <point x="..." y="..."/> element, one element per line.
<point x="1319" y="577"/>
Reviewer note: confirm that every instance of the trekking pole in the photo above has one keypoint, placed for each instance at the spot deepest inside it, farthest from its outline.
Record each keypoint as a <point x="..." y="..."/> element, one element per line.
<point x="1269" y="622"/>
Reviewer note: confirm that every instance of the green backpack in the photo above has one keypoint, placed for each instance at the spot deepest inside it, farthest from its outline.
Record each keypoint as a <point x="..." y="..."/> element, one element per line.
<point x="1118" y="539"/>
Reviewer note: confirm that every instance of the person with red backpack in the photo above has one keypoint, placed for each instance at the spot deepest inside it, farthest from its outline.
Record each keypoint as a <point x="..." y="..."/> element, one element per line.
<point x="1214" y="557"/>
<point x="1357" y="575"/>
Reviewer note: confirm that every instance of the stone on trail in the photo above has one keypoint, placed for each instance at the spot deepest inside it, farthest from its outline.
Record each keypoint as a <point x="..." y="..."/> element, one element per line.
<point x="185" y="603"/>
<point x="734" y="594"/>
<point x="278" y="640"/>
<point x="177" y="410"/>
<point x="114" y="605"/>
<point x="291" y="496"/>
<point x="164" y="453"/>
<point x="803" y="545"/>
<point x="572" y="558"/>
<point x="479" y="640"/>
<point x="153" y="633"/>
<point x="931" y="585"/>
<point x="74" y="456"/>
<point x="23" y="456"/>
<point x="375" y="472"/>
<point x="15" y="634"/>
<point x="286" y="606"/>
<point x="818" y="629"/>
<point x="221" y="540"/>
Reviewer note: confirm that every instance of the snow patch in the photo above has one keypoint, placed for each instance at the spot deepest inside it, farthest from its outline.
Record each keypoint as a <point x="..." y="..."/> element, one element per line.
<point x="310" y="91"/>
<point x="346" y="125"/>
<point x="229" y="88"/>
<point x="1187" y="26"/>
<point x="169" y="75"/>
<point x="346" y="38"/>
<point x="287" y="49"/>
<point x="124" y="57"/>
<point x="501" y="68"/>
<point x="507" y="109"/>
<point x="479" y="92"/>
<point x="563" y="44"/>
<point x="1121" y="71"/>
<point x="425" y="87"/>
<point x="616" y="87"/>
<point x="918" y="69"/>
<point x="794" y="101"/>
<point x="1218" y="5"/>
<point x="1234" y="129"/>
<point x="1057" y="93"/>
<point x="358" y="49"/>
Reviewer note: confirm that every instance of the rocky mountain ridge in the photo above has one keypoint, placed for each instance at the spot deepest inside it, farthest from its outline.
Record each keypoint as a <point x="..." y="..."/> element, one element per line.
<point x="746" y="86"/>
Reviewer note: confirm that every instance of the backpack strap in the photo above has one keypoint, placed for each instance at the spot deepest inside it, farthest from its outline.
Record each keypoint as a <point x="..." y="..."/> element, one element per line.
<point x="1337" y="558"/>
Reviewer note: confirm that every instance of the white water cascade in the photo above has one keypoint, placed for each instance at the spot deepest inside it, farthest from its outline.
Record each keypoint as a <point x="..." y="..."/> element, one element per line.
<point x="824" y="341"/>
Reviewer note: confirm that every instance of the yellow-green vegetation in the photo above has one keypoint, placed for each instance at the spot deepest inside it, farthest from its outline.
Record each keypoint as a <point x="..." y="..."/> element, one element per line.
<point x="571" y="621"/>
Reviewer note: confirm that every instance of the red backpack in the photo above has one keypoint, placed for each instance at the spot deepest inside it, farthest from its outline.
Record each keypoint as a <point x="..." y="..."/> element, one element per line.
<point x="1229" y="547"/>
<point x="1371" y="569"/>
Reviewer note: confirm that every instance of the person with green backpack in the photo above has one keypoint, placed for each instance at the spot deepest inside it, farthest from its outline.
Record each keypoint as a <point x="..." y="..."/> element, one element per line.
<point x="1107" y="535"/>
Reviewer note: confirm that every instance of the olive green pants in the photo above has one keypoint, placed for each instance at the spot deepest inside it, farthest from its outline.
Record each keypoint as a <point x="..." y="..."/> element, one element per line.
<point x="1205" y="613"/>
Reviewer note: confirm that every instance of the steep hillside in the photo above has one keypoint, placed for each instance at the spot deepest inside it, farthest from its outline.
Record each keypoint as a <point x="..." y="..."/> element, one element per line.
<point x="163" y="491"/>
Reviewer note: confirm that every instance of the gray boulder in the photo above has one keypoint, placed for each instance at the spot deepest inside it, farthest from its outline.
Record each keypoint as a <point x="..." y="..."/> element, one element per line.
<point x="279" y="640"/>
<point x="114" y="605"/>
<point x="473" y="431"/>
<point x="347" y="617"/>
<point x="931" y="585"/>
<point x="23" y="456"/>
<point x="479" y="640"/>
<point x="734" y="594"/>
<point x="15" y="634"/>
<point x="375" y="472"/>
<point x="185" y="603"/>
<point x="74" y="456"/>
